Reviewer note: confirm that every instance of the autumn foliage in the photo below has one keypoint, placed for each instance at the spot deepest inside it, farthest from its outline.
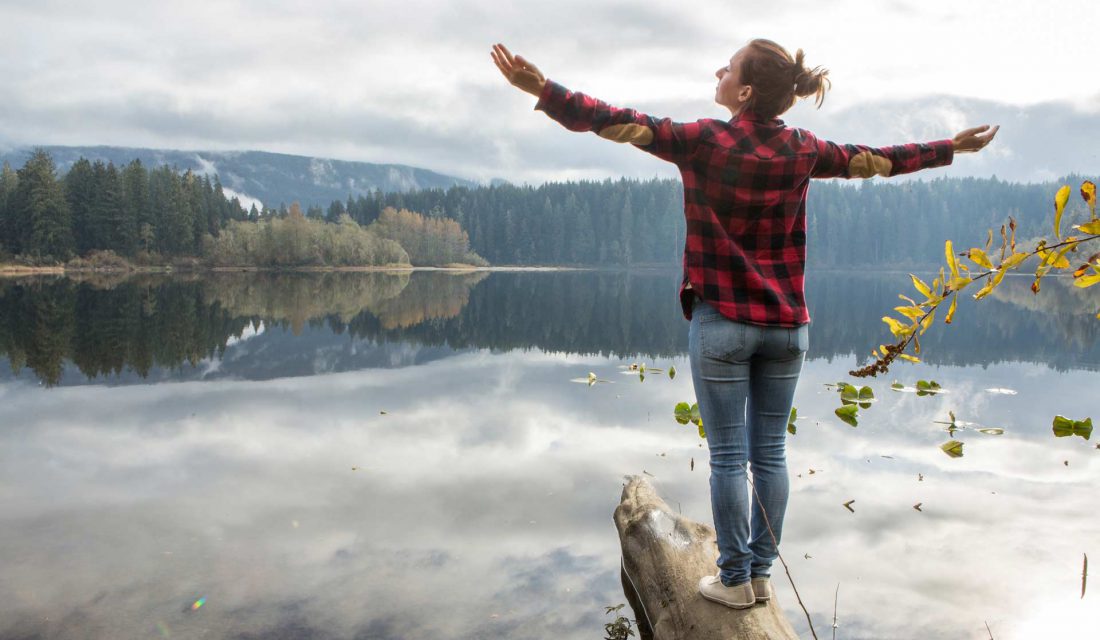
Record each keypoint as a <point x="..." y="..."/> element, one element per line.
<point x="428" y="241"/>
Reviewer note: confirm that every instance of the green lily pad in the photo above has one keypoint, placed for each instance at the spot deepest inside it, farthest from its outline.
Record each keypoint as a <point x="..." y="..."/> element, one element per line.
<point x="849" y="413"/>
<point x="1064" y="427"/>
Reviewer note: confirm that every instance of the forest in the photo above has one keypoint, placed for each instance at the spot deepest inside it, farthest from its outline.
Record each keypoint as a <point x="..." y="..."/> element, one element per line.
<point x="155" y="215"/>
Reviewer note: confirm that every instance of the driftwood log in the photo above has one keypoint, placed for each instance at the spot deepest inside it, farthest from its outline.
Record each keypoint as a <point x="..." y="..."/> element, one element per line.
<point x="664" y="555"/>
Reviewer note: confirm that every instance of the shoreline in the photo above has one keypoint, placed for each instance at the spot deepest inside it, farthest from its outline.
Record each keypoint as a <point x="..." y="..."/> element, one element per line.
<point x="19" y="271"/>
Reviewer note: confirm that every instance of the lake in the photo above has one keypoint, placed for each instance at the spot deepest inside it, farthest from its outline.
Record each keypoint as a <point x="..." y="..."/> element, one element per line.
<point x="368" y="455"/>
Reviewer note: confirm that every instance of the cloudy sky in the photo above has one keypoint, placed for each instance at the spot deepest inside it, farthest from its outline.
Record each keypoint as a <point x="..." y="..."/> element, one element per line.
<point x="411" y="81"/>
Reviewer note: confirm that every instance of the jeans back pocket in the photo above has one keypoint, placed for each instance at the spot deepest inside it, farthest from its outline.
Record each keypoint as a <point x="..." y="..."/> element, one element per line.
<point x="720" y="337"/>
<point x="798" y="340"/>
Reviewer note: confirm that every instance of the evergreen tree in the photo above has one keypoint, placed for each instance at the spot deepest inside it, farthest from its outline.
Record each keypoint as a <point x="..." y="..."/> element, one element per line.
<point x="41" y="216"/>
<point x="9" y="182"/>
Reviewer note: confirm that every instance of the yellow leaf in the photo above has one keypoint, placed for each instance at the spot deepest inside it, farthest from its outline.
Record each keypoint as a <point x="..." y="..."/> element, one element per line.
<point x="951" y="311"/>
<point x="977" y="256"/>
<point x="1088" y="192"/>
<point x="1060" y="200"/>
<point x="987" y="289"/>
<point x="927" y="322"/>
<point x="959" y="284"/>
<point x="1013" y="260"/>
<point x="1087" y="281"/>
<point x="1055" y="259"/>
<point x="952" y="263"/>
<point x="898" y="329"/>
<point x="1090" y="227"/>
<point x="906" y="356"/>
<point x="912" y="313"/>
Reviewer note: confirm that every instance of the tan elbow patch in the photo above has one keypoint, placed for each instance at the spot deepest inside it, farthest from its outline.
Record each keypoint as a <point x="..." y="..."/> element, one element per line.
<point x="632" y="133"/>
<point x="868" y="165"/>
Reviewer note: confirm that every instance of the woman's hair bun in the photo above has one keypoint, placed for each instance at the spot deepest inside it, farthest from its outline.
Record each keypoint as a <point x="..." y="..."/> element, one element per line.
<point x="809" y="82"/>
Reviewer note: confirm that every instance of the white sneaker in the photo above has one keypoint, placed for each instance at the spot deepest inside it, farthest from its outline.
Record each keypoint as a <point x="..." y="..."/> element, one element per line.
<point x="739" y="596"/>
<point x="761" y="588"/>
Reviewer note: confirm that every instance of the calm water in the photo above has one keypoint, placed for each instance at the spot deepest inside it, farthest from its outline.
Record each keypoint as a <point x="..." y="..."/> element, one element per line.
<point x="395" y="456"/>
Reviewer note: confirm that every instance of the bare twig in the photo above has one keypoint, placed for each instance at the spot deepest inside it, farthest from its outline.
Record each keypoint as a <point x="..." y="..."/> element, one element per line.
<point x="836" y="596"/>
<point x="784" y="562"/>
<point x="988" y="631"/>
<point x="1084" y="575"/>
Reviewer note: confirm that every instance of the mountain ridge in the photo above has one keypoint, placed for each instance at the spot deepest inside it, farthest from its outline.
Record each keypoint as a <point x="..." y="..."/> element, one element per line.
<point x="263" y="177"/>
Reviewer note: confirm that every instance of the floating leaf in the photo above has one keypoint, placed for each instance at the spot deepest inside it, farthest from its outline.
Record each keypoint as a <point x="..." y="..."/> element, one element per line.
<point x="849" y="414"/>
<point x="897" y="386"/>
<point x="953" y="448"/>
<point x="591" y="378"/>
<point x="1064" y="427"/>
<point x="672" y="373"/>
<point x="791" y="428"/>
<point x="848" y="505"/>
<point x="1060" y="200"/>
<point x="866" y="397"/>
<point x="682" y="413"/>
<point x="927" y="387"/>
<point x="849" y="394"/>
<point x="992" y="431"/>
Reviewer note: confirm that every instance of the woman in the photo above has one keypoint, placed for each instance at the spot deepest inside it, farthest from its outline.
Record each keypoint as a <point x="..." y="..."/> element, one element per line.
<point x="745" y="184"/>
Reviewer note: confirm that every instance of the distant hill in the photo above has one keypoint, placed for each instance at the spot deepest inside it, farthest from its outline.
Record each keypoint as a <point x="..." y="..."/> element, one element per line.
<point x="271" y="178"/>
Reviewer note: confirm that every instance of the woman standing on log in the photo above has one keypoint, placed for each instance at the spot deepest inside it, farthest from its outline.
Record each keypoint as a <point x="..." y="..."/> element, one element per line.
<point x="745" y="184"/>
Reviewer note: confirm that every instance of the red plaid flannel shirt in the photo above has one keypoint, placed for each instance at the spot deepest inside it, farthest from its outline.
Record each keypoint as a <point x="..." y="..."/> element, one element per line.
<point x="745" y="185"/>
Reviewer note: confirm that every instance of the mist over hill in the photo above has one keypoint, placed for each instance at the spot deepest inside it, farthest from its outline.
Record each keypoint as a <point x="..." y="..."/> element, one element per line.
<point x="270" y="178"/>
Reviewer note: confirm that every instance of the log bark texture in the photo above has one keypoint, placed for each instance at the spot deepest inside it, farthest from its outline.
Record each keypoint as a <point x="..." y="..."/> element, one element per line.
<point x="664" y="555"/>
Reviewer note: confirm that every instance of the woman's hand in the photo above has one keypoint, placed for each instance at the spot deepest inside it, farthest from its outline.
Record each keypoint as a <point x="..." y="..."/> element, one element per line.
<point x="971" y="140"/>
<point x="518" y="70"/>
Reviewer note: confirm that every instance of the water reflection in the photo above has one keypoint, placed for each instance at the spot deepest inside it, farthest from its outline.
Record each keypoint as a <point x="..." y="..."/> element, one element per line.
<point x="407" y="458"/>
<point x="299" y="324"/>
<point x="482" y="498"/>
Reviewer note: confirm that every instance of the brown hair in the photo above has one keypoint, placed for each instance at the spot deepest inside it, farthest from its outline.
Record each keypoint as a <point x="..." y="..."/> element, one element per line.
<point x="778" y="79"/>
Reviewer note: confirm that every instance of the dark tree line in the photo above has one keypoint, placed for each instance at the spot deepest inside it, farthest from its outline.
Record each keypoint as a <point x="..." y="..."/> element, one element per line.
<point x="628" y="222"/>
<point x="96" y="206"/>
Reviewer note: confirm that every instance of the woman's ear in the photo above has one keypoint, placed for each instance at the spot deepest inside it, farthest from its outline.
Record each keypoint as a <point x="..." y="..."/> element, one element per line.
<point x="745" y="94"/>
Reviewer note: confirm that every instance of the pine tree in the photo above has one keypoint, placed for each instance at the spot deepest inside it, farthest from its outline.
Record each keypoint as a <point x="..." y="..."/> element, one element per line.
<point x="43" y="226"/>
<point x="9" y="182"/>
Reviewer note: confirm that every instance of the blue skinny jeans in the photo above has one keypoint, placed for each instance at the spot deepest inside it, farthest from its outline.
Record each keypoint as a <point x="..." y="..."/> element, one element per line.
<point x="745" y="377"/>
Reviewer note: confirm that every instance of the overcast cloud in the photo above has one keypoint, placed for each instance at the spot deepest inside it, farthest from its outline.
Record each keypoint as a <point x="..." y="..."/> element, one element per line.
<point x="411" y="82"/>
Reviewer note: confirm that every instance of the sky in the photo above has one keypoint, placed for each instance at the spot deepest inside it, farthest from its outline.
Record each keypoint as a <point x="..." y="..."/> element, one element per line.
<point x="411" y="81"/>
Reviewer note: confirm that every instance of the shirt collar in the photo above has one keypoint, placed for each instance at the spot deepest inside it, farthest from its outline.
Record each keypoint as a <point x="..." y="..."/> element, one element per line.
<point x="752" y="116"/>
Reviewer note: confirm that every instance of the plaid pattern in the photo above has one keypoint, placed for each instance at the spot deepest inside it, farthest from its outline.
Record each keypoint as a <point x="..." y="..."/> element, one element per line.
<point x="745" y="185"/>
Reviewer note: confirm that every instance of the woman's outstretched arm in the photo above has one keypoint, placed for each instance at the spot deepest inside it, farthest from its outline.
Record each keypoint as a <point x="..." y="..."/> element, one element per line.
<point x="576" y="111"/>
<point x="858" y="161"/>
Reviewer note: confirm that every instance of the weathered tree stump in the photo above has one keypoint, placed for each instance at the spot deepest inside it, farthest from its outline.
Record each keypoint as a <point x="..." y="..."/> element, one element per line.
<point x="664" y="555"/>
